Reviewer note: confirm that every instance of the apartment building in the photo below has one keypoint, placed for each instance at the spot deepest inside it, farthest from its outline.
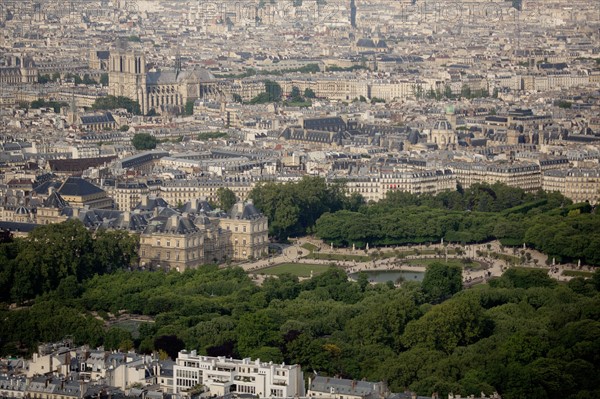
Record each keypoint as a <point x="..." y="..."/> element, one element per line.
<point x="522" y="175"/>
<point x="223" y="376"/>
<point x="579" y="185"/>
<point x="374" y="187"/>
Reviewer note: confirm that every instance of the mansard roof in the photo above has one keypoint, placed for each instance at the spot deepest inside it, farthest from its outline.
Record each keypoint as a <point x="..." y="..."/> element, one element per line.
<point x="76" y="186"/>
<point x="244" y="210"/>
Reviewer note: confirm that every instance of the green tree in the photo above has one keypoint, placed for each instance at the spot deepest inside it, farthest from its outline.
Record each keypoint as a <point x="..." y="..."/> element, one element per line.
<point x="441" y="281"/>
<point x="226" y="198"/>
<point x="309" y="93"/>
<point x="112" y="102"/>
<point x="144" y="141"/>
<point x="295" y="95"/>
<point x="458" y="322"/>
<point x="189" y="107"/>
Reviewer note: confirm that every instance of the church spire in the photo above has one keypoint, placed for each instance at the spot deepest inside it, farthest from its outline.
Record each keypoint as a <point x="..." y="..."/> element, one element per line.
<point x="177" y="63"/>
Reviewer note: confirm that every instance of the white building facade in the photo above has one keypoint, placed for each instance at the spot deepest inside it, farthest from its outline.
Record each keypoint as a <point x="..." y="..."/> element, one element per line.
<point x="223" y="375"/>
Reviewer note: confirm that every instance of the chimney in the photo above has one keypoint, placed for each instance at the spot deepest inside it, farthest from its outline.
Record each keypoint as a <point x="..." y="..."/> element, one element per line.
<point x="144" y="200"/>
<point x="126" y="216"/>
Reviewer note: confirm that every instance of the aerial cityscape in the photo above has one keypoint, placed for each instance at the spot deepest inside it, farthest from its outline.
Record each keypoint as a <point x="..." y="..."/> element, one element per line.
<point x="332" y="199"/>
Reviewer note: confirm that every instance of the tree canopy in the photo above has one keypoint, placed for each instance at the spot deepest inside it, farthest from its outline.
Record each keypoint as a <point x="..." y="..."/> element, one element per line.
<point x="547" y="222"/>
<point x="520" y="336"/>
<point x="293" y="208"/>
<point x="112" y="102"/>
<point x="144" y="141"/>
<point x="51" y="253"/>
<point x="226" y="198"/>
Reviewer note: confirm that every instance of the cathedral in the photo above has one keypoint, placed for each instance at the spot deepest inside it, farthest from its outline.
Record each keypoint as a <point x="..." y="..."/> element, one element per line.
<point x="160" y="91"/>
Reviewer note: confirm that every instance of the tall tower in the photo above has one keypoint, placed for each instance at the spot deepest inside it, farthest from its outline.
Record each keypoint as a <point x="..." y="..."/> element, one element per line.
<point x="72" y="117"/>
<point x="177" y="63"/>
<point x="127" y="74"/>
<point x="352" y="14"/>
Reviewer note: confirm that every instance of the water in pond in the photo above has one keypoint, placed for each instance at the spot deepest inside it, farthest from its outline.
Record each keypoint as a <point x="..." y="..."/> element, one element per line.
<point x="390" y="275"/>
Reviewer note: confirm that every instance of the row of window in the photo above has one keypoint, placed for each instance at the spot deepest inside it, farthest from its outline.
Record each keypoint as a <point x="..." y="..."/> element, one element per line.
<point x="186" y="383"/>
<point x="187" y="374"/>
<point x="246" y="389"/>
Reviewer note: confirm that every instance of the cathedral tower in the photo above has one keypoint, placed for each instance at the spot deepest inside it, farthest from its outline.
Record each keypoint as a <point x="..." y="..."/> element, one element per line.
<point x="127" y="74"/>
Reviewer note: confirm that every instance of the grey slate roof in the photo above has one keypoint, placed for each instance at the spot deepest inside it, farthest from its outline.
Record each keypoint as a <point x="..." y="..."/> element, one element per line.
<point x="100" y="118"/>
<point x="243" y="210"/>
<point x="55" y="200"/>
<point x="170" y="77"/>
<point x="174" y="224"/>
<point x="78" y="187"/>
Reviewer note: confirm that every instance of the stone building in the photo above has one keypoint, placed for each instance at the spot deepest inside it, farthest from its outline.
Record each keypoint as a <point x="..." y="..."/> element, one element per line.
<point x="80" y="193"/>
<point x="577" y="184"/>
<point x="224" y="376"/>
<point x="249" y="231"/>
<point x="19" y="69"/>
<point x="172" y="242"/>
<point x="158" y="90"/>
<point x="199" y="235"/>
<point x="443" y="135"/>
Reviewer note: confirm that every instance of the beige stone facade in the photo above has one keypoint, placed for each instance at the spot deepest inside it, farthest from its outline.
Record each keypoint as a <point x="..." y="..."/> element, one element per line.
<point x="579" y="185"/>
<point x="187" y="241"/>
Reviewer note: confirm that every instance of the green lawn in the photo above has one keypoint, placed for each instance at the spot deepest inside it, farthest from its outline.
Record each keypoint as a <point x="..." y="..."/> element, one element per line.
<point x="309" y="246"/>
<point x="577" y="273"/>
<point x="297" y="269"/>
<point x="451" y="262"/>
<point x="328" y="256"/>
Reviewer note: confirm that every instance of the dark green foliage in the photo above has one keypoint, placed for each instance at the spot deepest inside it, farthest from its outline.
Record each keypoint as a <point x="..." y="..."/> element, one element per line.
<point x="189" y="107"/>
<point x="547" y="222"/>
<point x="226" y="198"/>
<point x="271" y="94"/>
<point x="441" y="282"/>
<point x="293" y="208"/>
<point x="59" y="256"/>
<point x="309" y="93"/>
<point x="524" y="278"/>
<point x="112" y="102"/>
<point x="36" y="104"/>
<point x="532" y="339"/>
<point x="211" y="135"/>
<point x="144" y="141"/>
